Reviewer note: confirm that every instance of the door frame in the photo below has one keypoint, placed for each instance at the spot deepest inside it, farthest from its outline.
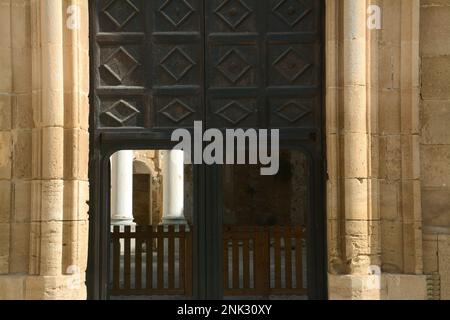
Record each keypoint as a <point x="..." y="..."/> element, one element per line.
<point x="316" y="222"/>
<point x="207" y="218"/>
<point x="99" y="209"/>
<point x="207" y="281"/>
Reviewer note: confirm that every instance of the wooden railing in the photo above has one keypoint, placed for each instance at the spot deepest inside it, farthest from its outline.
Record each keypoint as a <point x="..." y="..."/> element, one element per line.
<point x="263" y="261"/>
<point x="151" y="261"/>
<point x="257" y="261"/>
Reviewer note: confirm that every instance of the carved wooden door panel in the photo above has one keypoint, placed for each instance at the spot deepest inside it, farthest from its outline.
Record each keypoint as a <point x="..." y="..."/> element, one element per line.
<point x="176" y="75"/>
<point x="149" y="62"/>
<point x="162" y="64"/>
<point x="263" y="63"/>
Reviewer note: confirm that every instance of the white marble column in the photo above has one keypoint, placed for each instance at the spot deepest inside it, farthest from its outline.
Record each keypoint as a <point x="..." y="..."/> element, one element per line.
<point x="122" y="188"/>
<point x="173" y="187"/>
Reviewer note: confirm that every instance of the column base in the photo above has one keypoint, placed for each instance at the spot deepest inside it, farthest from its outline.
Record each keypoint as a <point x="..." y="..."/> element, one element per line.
<point x="26" y="287"/>
<point x="377" y="287"/>
<point x="168" y="221"/>
<point x="122" y="222"/>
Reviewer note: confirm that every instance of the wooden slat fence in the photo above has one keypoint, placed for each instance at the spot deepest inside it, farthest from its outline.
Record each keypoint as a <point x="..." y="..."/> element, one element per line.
<point x="158" y="263"/>
<point x="257" y="261"/>
<point x="263" y="261"/>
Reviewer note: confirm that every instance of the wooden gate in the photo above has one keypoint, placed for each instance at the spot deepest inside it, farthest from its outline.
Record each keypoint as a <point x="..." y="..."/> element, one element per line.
<point x="263" y="261"/>
<point x="257" y="261"/>
<point x="151" y="261"/>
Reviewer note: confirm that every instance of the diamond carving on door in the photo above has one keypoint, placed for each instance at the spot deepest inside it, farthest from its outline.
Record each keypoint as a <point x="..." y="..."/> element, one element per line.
<point x="176" y="111"/>
<point x="293" y="111"/>
<point x="233" y="12"/>
<point x="177" y="63"/>
<point x="291" y="11"/>
<point x="120" y="12"/>
<point x="233" y="66"/>
<point x="120" y="65"/>
<point x="233" y="112"/>
<point x="291" y="65"/>
<point x="120" y="113"/>
<point x="176" y="11"/>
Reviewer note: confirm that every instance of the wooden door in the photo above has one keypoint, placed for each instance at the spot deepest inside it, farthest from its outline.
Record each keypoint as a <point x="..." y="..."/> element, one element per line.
<point x="158" y="65"/>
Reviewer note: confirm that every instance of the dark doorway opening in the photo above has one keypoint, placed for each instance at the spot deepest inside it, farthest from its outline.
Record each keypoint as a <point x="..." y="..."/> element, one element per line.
<point x="265" y="223"/>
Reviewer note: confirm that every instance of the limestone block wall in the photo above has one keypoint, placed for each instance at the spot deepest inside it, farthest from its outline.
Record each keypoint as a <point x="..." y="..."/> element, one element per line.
<point x="402" y="201"/>
<point x="397" y="137"/>
<point x="373" y="147"/>
<point x="435" y="141"/>
<point x="43" y="149"/>
<point x="15" y="136"/>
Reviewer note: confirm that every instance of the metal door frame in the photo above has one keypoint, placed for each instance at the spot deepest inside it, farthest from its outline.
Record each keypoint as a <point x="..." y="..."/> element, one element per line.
<point x="99" y="219"/>
<point x="207" y="275"/>
<point x="316" y="221"/>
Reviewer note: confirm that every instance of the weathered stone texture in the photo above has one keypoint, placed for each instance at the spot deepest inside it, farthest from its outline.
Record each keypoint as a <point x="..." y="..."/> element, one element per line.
<point x="37" y="107"/>
<point x="398" y="126"/>
<point x="376" y="287"/>
<point x="444" y="265"/>
<point x="435" y="138"/>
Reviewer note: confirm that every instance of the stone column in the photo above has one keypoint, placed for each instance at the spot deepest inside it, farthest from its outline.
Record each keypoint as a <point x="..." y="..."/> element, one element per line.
<point x="52" y="58"/>
<point x="349" y="139"/>
<point x="122" y="188"/>
<point x="373" y="197"/>
<point x="411" y="208"/>
<point x="173" y="187"/>
<point x="355" y="136"/>
<point x="48" y="141"/>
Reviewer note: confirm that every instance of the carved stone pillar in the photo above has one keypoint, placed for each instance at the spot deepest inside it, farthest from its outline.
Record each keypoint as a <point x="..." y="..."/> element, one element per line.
<point x="49" y="76"/>
<point x="371" y="138"/>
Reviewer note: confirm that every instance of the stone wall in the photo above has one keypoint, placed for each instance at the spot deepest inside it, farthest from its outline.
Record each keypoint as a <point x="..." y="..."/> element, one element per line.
<point x="43" y="150"/>
<point x="435" y="141"/>
<point x="397" y="139"/>
<point x="374" y="197"/>
<point x="405" y="204"/>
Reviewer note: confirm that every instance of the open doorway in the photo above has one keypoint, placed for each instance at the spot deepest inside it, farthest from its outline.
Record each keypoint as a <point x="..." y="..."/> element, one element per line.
<point x="151" y="225"/>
